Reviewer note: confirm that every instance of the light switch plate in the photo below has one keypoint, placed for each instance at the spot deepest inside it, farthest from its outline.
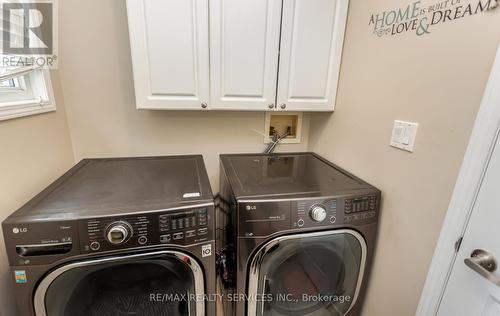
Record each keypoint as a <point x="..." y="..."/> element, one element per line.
<point x="403" y="135"/>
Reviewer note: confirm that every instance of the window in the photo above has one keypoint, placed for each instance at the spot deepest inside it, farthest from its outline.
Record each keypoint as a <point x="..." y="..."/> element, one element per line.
<point x="25" y="91"/>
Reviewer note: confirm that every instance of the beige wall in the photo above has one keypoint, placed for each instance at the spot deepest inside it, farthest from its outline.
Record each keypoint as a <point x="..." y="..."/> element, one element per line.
<point x="35" y="150"/>
<point x="436" y="80"/>
<point x="96" y="74"/>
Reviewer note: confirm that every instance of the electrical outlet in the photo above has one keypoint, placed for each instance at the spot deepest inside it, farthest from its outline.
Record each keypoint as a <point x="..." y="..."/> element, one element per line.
<point x="403" y="135"/>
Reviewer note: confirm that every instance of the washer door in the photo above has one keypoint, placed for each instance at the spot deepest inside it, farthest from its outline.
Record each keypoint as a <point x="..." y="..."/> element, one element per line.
<point x="307" y="274"/>
<point x="159" y="283"/>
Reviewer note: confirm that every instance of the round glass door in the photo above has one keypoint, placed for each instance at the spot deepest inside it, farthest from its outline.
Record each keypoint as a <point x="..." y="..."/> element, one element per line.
<point x="308" y="274"/>
<point x="146" y="285"/>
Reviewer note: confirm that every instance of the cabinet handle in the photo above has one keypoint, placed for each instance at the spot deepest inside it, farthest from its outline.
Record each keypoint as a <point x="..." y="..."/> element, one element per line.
<point x="283" y="106"/>
<point x="204" y="105"/>
<point x="271" y="105"/>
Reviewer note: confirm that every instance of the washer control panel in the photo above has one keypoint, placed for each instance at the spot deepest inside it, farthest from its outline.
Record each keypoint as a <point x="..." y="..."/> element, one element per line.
<point x="311" y="213"/>
<point x="360" y="208"/>
<point x="333" y="211"/>
<point x="190" y="225"/>
<point x="181" y="227"/>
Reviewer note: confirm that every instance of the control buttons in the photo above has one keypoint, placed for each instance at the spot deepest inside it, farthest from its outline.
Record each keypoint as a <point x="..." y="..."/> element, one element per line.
<point x="348" y="206"/>
<point x="372" y="202"/>
<point x="164" y="223"/>
<point x="165" y="238"/>
<point x="185" y="220"/>
<point x="359" y="217"/>
<point x="118" y="232"/>
<point x="95" y="245"/>
<point x="202" y="217"/>
<point x="190" y="233"/>
<point x="360" y="204"/>
<point x="318" y="213"/>
<point x="333" y="219"/>
<point x="300" y="222"/>
<point x="202" y="231"/>
<point x="142" y="240"/>
<point x="178" y="236"/>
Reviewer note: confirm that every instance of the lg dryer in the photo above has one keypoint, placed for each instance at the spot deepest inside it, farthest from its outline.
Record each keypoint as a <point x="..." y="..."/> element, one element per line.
<point x="302" y="231"/>
<point x="126" y="236"/>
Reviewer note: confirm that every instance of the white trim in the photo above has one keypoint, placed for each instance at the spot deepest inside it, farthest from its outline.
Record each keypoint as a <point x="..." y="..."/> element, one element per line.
<point x="45" y="101"/>
<point x="21" y="71"/>
<point x="479" y="150"/>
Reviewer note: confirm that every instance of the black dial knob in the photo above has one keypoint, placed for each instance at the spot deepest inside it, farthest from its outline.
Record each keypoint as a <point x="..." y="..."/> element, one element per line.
<point x="118" y="232"/>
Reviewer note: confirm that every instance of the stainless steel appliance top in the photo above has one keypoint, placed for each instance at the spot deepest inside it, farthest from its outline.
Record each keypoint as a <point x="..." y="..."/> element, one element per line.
<point x="295" y="175"/>
<point x="100" y="187"/>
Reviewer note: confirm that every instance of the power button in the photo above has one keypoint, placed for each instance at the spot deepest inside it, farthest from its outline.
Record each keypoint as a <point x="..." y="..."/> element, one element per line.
<point x="95" y="245"/>
<point x="142" y="240"/>
<point x="300" y="222"/>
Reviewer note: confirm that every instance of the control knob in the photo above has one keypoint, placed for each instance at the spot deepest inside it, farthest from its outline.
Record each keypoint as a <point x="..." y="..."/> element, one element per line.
<point x="318" y="213"/>
<point x="118" y="232"/>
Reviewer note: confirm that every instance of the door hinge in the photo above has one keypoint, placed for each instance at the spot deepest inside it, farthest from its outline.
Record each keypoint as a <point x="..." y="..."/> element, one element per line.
<point x="458" y="243"/>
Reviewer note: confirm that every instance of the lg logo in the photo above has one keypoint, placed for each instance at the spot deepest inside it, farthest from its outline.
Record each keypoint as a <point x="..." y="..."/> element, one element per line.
<point x="16" y="230"/>
<point x="251" y="207"/>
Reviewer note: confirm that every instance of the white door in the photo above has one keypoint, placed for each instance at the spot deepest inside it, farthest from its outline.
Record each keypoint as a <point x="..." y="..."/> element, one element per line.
<point x="311" y="46"/>
<point x="472" y="289"/>
<point x="473" y="286"/>
<point x="244" y="47"/>
<point x="170" y="53"/>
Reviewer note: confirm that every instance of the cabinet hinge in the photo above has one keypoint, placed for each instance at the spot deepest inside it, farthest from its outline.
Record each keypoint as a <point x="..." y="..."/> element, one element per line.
<point x="458" y="243"/>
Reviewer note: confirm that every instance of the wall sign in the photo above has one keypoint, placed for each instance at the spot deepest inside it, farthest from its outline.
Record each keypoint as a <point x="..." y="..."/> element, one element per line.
<point x="420" y="19"/>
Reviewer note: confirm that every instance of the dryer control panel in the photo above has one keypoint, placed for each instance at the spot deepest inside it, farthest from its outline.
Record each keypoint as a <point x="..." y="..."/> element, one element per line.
<point x="181" y="227"/>
<point x="263" y="218"/>
<point x="355" y="210"/>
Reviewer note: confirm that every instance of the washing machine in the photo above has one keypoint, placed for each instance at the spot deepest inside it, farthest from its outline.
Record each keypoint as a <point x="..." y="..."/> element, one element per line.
<point x="121" y="236"/>
<point x="301" y="232"/>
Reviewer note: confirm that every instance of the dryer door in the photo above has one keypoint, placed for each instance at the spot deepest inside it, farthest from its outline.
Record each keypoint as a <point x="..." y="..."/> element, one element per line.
<point x="307" y="274"/>
<point x="158" y="283"/>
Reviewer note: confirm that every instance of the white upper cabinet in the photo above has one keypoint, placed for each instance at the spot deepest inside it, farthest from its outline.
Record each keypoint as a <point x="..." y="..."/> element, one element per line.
<point x="256" y="55"/>
<point x="244" y="48"/>
<point x="312" y="36"/>
<point x="170" y="53"/>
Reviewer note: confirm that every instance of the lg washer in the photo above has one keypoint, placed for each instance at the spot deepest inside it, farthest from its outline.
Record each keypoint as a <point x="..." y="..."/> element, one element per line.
<point x="124" y="236"/>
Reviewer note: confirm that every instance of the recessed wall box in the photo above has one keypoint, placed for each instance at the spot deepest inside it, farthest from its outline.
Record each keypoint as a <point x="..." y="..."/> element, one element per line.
<point x="281" y="123"/>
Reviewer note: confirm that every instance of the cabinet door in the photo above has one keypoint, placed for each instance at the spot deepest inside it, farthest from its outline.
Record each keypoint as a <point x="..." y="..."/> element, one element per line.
<point x="311" y="47"/>
<point x="170" y="53"/>
<point x="244" y="48"/>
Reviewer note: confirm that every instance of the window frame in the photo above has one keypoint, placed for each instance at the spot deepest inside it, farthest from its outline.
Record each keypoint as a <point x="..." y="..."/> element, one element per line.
<point x="37" y="83"/>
